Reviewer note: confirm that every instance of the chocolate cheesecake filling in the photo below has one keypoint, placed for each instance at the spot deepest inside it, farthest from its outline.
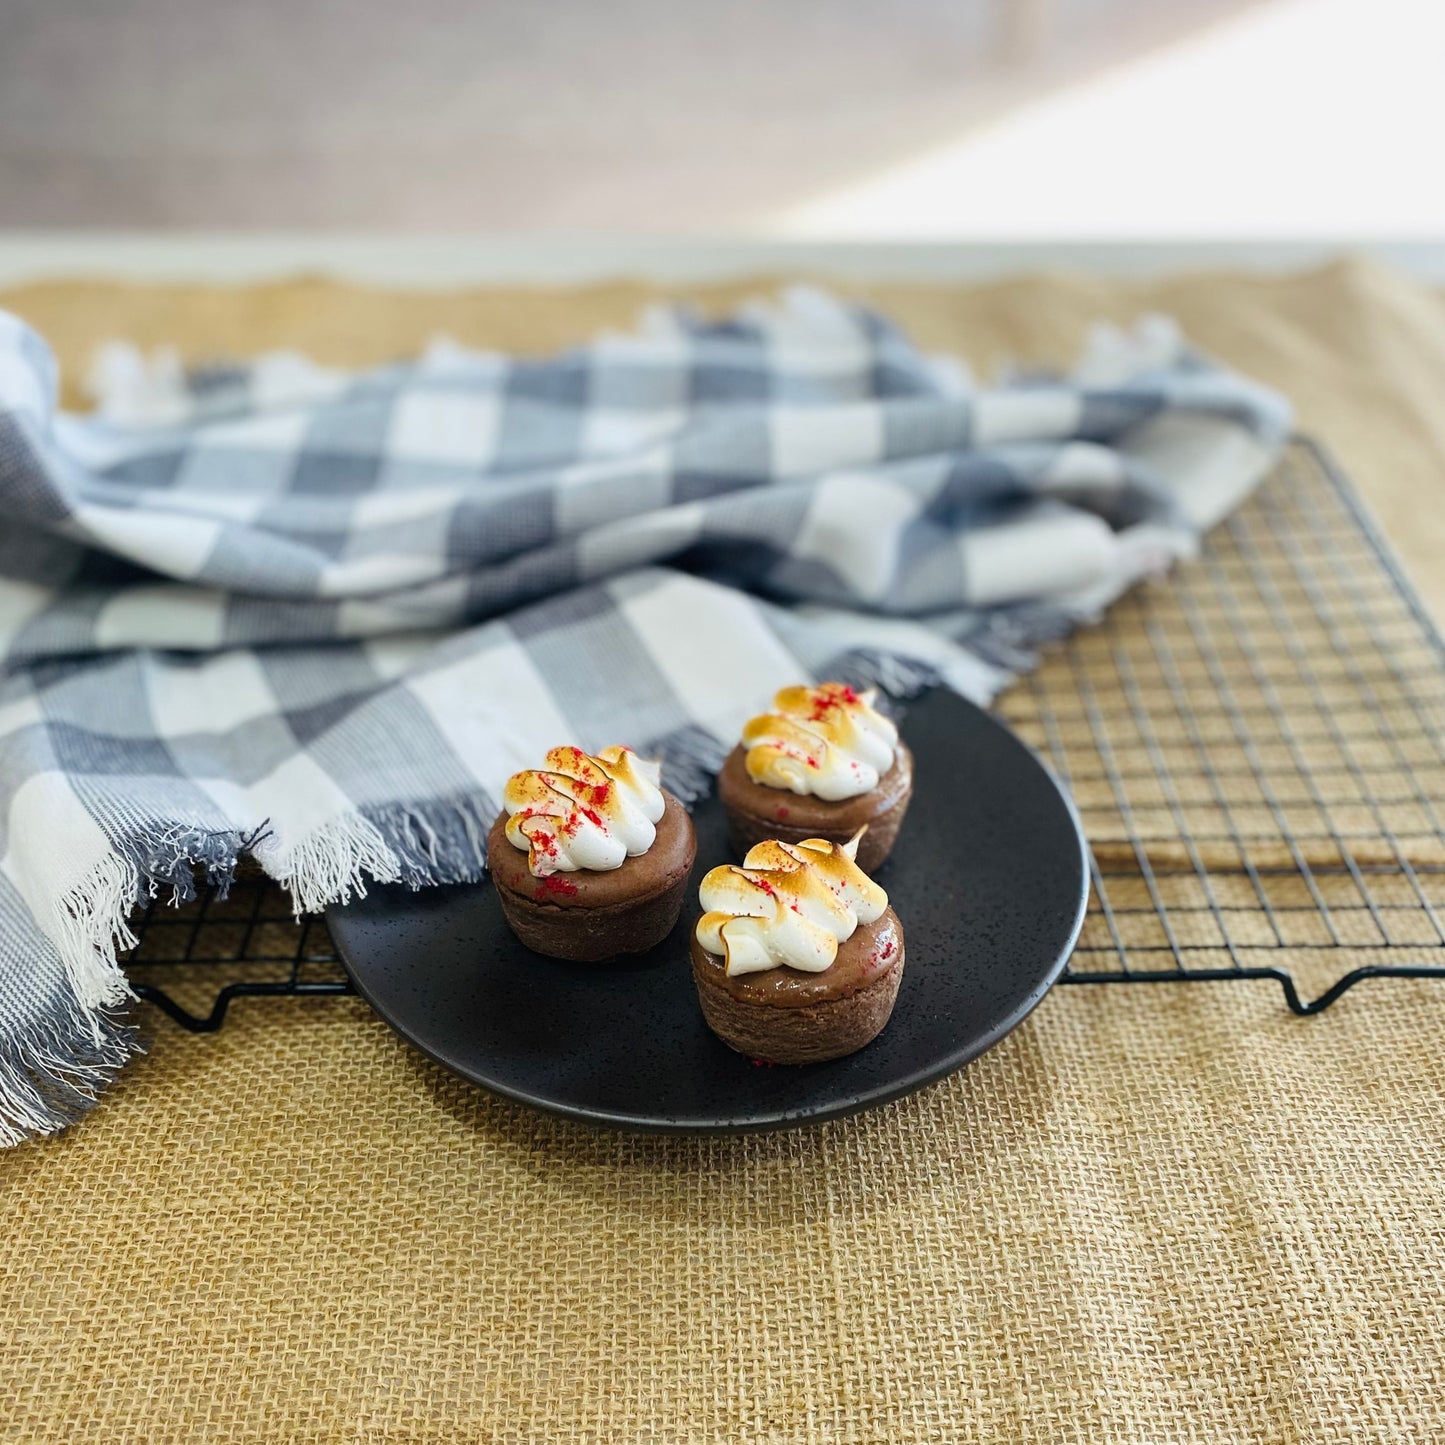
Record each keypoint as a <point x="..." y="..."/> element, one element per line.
<point x="801" y="812"/>
<point x="652" y="872"/>
<point x="873" y="950"/>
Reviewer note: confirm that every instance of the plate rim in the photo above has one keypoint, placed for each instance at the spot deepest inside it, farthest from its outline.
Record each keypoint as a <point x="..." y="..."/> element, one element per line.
<point x="761" y="1123"/>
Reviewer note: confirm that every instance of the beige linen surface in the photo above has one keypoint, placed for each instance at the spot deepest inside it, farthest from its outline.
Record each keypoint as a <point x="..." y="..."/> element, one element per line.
<point x="1150" y="1215"/>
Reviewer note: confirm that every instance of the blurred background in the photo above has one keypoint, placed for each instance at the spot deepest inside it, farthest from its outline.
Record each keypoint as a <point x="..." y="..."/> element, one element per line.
<point x="978" y="120"/>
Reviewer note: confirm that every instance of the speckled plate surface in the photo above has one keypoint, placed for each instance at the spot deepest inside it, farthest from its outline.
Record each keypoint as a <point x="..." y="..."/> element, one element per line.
<point x="988" y="877"/>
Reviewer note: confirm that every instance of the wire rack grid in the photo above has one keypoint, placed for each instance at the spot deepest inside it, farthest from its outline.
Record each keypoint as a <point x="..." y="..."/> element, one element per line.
<point x="1255" y="746"/>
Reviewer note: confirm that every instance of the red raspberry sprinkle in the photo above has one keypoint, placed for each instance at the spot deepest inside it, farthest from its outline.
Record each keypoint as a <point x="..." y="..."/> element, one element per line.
<point x="831" y="696"/>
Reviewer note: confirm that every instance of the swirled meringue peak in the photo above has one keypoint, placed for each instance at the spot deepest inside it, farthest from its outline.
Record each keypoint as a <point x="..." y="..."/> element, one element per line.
<point x="827" y="741"/>
<point x="583" y="812"/>
<point x="789" y="904"/>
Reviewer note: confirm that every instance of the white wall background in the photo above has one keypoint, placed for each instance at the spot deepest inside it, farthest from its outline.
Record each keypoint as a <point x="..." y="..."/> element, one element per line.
<point x="971" y="119"/>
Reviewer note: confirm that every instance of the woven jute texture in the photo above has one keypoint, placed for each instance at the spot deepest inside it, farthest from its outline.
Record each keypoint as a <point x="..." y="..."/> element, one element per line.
<point x="1152" y="1214"/>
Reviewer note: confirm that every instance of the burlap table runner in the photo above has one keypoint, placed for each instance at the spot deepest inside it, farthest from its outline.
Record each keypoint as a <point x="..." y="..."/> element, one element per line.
<point x="1151" y="1215"/>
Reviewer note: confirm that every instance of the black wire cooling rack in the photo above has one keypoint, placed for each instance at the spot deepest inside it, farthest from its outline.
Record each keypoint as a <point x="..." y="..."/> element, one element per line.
<point x="1255" y="746"/>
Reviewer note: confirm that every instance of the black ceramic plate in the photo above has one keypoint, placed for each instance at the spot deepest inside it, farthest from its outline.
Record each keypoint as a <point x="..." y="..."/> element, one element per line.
<point x="988" y="878"/>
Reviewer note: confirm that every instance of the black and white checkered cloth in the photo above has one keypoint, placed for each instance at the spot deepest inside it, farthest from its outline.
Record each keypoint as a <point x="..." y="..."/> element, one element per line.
<point x="322" y="617"/>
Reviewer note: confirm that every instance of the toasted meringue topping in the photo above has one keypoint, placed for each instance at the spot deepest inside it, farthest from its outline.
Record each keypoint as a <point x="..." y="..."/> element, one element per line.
<point x="789" y="904"/>
<point x="827" y="741"/>
<point x="583" y="812"/>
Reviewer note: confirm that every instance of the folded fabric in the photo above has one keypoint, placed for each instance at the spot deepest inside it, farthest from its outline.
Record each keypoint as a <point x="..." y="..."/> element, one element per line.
<point x="319" y="618"/>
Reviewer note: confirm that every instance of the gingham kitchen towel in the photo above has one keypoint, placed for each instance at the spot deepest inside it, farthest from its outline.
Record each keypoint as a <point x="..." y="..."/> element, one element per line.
<point x="320" y="618"/>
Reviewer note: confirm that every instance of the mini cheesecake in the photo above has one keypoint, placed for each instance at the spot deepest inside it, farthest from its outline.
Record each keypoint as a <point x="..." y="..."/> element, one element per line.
<point x="822" y="764"/>
<point x="591" y="857"/>
<point x="797" y="957"/>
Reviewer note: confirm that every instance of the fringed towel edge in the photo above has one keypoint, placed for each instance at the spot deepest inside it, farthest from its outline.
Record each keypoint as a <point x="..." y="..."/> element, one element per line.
<point x="53" y="1072"/>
